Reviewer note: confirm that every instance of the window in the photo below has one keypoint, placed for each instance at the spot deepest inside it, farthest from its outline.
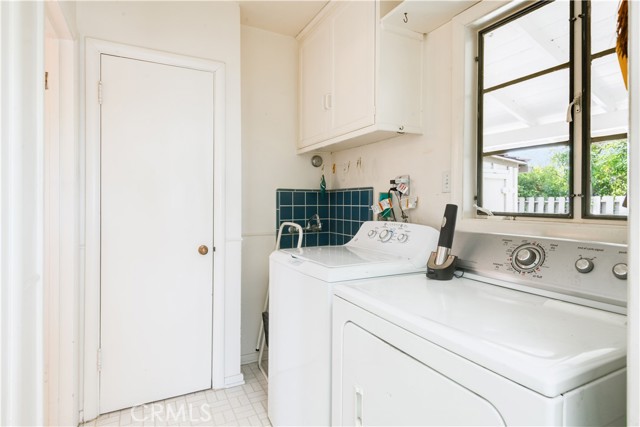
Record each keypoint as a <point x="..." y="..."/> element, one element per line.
<point x="552" y="113"/>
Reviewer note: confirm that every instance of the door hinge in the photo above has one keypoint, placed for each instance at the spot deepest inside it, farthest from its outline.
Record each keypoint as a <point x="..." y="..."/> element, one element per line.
<point x="99" y="360"/>
<point x="46" y="80"/>
<point x="100" y="92"/>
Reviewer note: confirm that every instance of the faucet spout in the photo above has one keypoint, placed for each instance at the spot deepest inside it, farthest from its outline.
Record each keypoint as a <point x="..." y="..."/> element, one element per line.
<point x="317" y="227"/>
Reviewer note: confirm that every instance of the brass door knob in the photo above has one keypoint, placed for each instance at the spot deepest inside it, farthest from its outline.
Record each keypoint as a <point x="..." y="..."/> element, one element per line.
<point x="203" y="249"/>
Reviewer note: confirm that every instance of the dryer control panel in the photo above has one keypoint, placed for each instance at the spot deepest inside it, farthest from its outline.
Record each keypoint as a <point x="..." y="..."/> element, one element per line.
<point x="592" y="270"/>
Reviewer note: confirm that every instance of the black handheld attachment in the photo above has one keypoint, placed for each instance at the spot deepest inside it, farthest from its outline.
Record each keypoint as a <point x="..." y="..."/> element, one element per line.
<point x="442" y="264"/>
<point x="448" y="226"/>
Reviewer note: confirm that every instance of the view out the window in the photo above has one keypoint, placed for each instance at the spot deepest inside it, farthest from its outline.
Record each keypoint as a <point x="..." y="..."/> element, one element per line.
<point x="533" y="116"/>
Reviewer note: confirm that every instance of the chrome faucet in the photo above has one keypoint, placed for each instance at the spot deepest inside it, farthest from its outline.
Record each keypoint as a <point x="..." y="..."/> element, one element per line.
<point x="317" y="227"/>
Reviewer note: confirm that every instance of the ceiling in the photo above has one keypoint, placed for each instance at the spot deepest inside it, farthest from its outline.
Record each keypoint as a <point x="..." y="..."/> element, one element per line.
<point x="282" y="17"/>
<point x="535" y="110"/>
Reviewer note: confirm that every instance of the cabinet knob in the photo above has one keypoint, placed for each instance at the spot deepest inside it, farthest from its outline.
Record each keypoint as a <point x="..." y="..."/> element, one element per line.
<point x="203" y="250"/>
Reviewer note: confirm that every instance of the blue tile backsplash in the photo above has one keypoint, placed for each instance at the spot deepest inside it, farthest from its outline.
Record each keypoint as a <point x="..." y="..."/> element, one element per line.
<point x="341" y="212"/>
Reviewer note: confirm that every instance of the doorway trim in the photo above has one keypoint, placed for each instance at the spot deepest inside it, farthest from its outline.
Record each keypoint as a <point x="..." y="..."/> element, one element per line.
<point x="93" y="50"/>
<point x="61" y="214"/>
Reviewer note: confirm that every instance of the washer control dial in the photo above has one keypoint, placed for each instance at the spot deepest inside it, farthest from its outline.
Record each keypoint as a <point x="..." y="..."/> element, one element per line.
<point x="620" y="271"/>
<point x="584" y="265"/>
<point x="527" y="257"/>
<point x="372" y="233"/>
<point x="402" y="238"/>
<point x="386" y="235"/>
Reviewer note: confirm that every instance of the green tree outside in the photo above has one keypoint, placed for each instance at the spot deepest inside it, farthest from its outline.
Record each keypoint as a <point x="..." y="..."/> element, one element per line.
<point x="547" y="181"/>
<point x="608" y="173"/>
<point x="609" y="168"/>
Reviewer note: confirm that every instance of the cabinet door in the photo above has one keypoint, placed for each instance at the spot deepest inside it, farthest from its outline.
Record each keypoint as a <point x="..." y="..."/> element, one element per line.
<point x="354" y="63"/>
<point x="316" y="66"/>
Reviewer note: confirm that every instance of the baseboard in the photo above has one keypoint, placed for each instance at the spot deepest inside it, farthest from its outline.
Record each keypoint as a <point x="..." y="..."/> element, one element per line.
<point x="252" y="357"/>
<point x="234" y="380"/>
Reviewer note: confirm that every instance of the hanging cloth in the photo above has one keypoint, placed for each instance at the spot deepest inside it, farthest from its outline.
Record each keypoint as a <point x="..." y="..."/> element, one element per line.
<point x="622" y="40"/>
<point x="323" y="185"/>
<point x="622" y="32"/>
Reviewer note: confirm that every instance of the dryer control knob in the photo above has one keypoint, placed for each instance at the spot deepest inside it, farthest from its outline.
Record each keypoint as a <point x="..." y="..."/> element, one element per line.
<point x="402" y="238"/>
<point x="620" y="271"/>
<point x="385" y="235"/>
<point x="526" y="257"/>
<point x="584" y="265"/>
<point x="372" y="233"/>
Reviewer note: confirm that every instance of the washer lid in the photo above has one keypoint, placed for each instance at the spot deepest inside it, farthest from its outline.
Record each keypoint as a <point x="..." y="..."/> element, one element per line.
<point x="341" y="256"/>
<point x="546" y="345"/>
<point x="340" y="263"/>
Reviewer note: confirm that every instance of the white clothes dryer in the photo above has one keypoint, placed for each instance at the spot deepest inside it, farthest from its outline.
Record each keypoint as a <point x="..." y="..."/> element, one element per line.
<point x="301" y="285"/>
<point x="518" y="340"/>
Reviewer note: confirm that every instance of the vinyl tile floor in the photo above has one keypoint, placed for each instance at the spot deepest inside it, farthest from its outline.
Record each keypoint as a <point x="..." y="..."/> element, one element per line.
<point x="244" y="405"/>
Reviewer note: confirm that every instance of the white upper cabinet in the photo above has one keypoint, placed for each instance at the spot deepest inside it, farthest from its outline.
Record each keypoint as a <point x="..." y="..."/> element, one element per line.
<point x="316" y="62"/>
<point x="359" y="83"/>
<point x="353" y="64"/>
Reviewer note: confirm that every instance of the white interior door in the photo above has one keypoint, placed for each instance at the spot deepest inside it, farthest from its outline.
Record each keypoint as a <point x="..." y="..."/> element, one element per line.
<point x="156" y="211"/>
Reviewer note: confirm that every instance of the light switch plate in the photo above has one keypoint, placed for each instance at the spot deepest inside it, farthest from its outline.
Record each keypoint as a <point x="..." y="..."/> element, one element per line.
<point x="446" y="182"/>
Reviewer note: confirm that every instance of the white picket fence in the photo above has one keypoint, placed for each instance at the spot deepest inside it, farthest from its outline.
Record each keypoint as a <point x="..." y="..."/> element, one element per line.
<point x="600" y="205"/>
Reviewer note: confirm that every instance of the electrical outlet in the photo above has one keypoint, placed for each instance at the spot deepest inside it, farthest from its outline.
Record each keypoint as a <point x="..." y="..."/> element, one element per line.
<point x="446" y="182"/>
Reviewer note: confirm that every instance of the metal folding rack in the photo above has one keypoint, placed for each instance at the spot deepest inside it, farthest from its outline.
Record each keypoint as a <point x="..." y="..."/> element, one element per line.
<point x="263" y="332"/>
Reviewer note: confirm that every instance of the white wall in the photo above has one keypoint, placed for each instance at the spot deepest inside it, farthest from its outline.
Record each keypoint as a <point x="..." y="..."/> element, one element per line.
<point x="424" y="157"/>
<point x="269" y="161"/>
<point x="208" y="30"/>
<point x="633" y="337"/>
<point x="21" y="213"/>
<point x="68" y="9"/>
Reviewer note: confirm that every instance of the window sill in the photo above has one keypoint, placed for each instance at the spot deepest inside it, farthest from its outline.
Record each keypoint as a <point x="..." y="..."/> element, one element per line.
<point x="611" y="231"/>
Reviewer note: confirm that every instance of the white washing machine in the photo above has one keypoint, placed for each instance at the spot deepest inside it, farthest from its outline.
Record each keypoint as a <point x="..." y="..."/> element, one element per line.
<point x="534" y="333"/>
<point x="301" y="283"/>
